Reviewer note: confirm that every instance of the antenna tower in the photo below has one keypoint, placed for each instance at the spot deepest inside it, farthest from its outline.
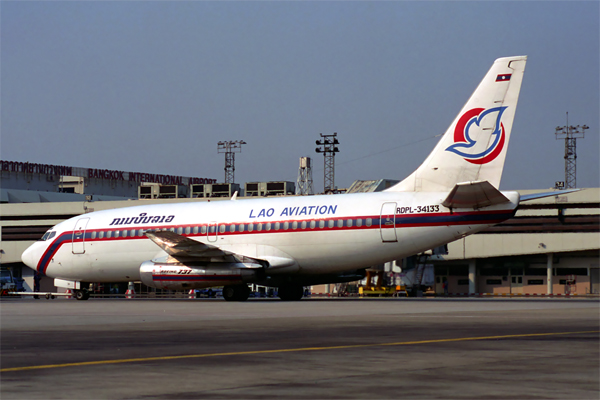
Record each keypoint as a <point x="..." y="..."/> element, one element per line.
<point x="230" y="148"/>
<point x="304" y="184"/>
<point x="328" y="148"/>
<point x="570" y="134"/>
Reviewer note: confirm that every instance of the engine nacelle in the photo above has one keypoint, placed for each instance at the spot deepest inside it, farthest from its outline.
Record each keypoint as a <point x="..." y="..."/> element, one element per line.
<point x="181" y="276"/>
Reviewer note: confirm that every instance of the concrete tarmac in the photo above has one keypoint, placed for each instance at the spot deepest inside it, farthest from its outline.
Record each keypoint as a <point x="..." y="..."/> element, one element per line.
<point x="312" y="349"/>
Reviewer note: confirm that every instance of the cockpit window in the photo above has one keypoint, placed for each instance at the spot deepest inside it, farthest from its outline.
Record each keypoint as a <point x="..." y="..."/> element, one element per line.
<point x="48" y="235"/>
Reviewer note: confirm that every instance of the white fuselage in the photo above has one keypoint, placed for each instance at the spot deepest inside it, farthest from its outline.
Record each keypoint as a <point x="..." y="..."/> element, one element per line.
<point x="309" y="235"/>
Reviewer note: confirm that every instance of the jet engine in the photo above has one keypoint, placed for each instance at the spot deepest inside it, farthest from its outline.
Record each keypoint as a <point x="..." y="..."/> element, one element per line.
<point x="181" y="276"/>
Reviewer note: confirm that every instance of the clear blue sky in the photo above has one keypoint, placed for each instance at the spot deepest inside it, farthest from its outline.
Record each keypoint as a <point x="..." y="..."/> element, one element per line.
<point x="153" y="86"/>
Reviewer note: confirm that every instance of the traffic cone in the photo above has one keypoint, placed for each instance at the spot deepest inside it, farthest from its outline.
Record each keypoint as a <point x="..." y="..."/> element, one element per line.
<point x="69" y="294"/>
<point x="130" y="293"/>
<point x="192" y="294"/>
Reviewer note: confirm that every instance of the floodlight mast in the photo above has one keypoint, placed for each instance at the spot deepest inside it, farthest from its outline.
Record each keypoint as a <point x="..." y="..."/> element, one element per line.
<point x="230" y="148"/>
<point x="304" y="183"/>
<point x="570" y="134"/>
<point x="328" y="148"/>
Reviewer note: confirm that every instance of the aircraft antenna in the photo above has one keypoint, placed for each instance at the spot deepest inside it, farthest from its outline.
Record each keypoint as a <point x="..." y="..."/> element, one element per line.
<point x="230" y="148"/>
<point x="304" y="184"/>
<point x="328" y="146"/>
<point x="570" y="134"/>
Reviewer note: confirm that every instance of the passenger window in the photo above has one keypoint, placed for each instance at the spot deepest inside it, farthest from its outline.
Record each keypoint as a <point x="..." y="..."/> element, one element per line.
<point x="277" y="226"/>
<point x="349" y="223"/>
<point x="179" y="230"/>
<point x="268" y="226"/>
<point x="124" y="234"/>
<point x="241" y="228"/>
<point x="286" y="225"/>
<point x="313" y="224"/>
<point x="141" y="232"/>
<point x="340" y="223"/>
<point x="369" y="221"/>
<point x="260" y="226"/>
<point x="100" y="234"/>
<point x="359" y="222"/>
<point x="93" y="235"/>
<point x="132" y="233"/>
<point x="108" y="234"/>
<point x="203" y="229"/>
<point x="117" y="234"/>
<point x="222" y="228"/>
<point x="231" y="228"/>
<point x="330" y="223"/>
<point x="303" y="225"/>
<point x="250" y="227"/>
<point x="295" y="225"/>
<point x="187" y="230"/>
<point x="322" y="224"/>
<point x="195" y="230"/>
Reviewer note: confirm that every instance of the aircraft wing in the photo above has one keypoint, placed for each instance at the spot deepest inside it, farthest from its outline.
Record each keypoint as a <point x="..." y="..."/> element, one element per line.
<point x="474" y="195"/>
<point x="182" y="248"/>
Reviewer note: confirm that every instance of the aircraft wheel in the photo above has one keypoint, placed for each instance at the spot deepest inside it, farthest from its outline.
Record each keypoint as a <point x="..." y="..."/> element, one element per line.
<point x="291" y="292"/>
<point x="236" y="293"/>
<point x="82" y="294"/>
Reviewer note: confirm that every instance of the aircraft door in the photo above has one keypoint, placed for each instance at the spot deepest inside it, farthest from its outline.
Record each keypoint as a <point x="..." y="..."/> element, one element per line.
<point x="387" y="222"/>
<point x="78" y="241"/>
<point x="211" y="232"/>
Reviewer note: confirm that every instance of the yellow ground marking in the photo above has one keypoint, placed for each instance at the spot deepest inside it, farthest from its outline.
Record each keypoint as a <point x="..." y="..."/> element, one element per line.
<point x="254" y="352"/>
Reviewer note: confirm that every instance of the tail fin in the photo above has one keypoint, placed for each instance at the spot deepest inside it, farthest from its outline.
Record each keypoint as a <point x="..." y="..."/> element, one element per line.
<point x="474" y="146"/>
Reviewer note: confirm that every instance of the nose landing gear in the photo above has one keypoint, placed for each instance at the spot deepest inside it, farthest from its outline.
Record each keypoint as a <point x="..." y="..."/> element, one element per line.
<point x="82" y="294"/>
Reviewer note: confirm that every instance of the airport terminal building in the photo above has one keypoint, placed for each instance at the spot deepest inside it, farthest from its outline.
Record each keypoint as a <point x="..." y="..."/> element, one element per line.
<point x="550" y="247"/>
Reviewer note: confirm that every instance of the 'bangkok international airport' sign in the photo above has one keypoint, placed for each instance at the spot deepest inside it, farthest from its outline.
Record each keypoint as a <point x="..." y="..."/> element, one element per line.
<point x="93" y="173"/>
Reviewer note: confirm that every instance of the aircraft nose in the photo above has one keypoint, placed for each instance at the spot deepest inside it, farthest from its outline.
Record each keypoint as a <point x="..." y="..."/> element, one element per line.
<point x="29" y="257"/>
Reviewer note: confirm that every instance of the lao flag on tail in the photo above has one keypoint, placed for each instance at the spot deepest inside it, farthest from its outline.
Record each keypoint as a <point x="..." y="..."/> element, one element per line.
<point x="503" y="77"/>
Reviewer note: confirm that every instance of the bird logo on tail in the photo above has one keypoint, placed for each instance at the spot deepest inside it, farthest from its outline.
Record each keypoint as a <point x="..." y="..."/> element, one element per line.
<point x="472" y="139"/>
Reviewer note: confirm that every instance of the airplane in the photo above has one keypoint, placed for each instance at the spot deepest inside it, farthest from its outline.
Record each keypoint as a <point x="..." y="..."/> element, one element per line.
<point x="297" y="241"/>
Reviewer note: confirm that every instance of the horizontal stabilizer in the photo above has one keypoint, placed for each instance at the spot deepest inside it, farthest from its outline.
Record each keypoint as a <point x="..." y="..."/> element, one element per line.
<point x="474" y="195"/>
<point x="533" y="196"/>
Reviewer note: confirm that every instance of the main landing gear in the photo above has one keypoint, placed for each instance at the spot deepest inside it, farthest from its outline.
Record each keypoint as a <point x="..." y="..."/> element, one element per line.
<point x="291" y="292"/>
<point x="236" y="292"/>
<point x="242" y="292"/>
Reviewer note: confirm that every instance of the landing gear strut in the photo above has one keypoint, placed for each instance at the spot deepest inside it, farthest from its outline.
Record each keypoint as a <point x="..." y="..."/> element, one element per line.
<point x="236" y="292"/>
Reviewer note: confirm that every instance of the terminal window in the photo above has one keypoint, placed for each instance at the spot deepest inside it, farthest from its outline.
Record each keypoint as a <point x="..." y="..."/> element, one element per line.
<point x="493" y="281"/>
